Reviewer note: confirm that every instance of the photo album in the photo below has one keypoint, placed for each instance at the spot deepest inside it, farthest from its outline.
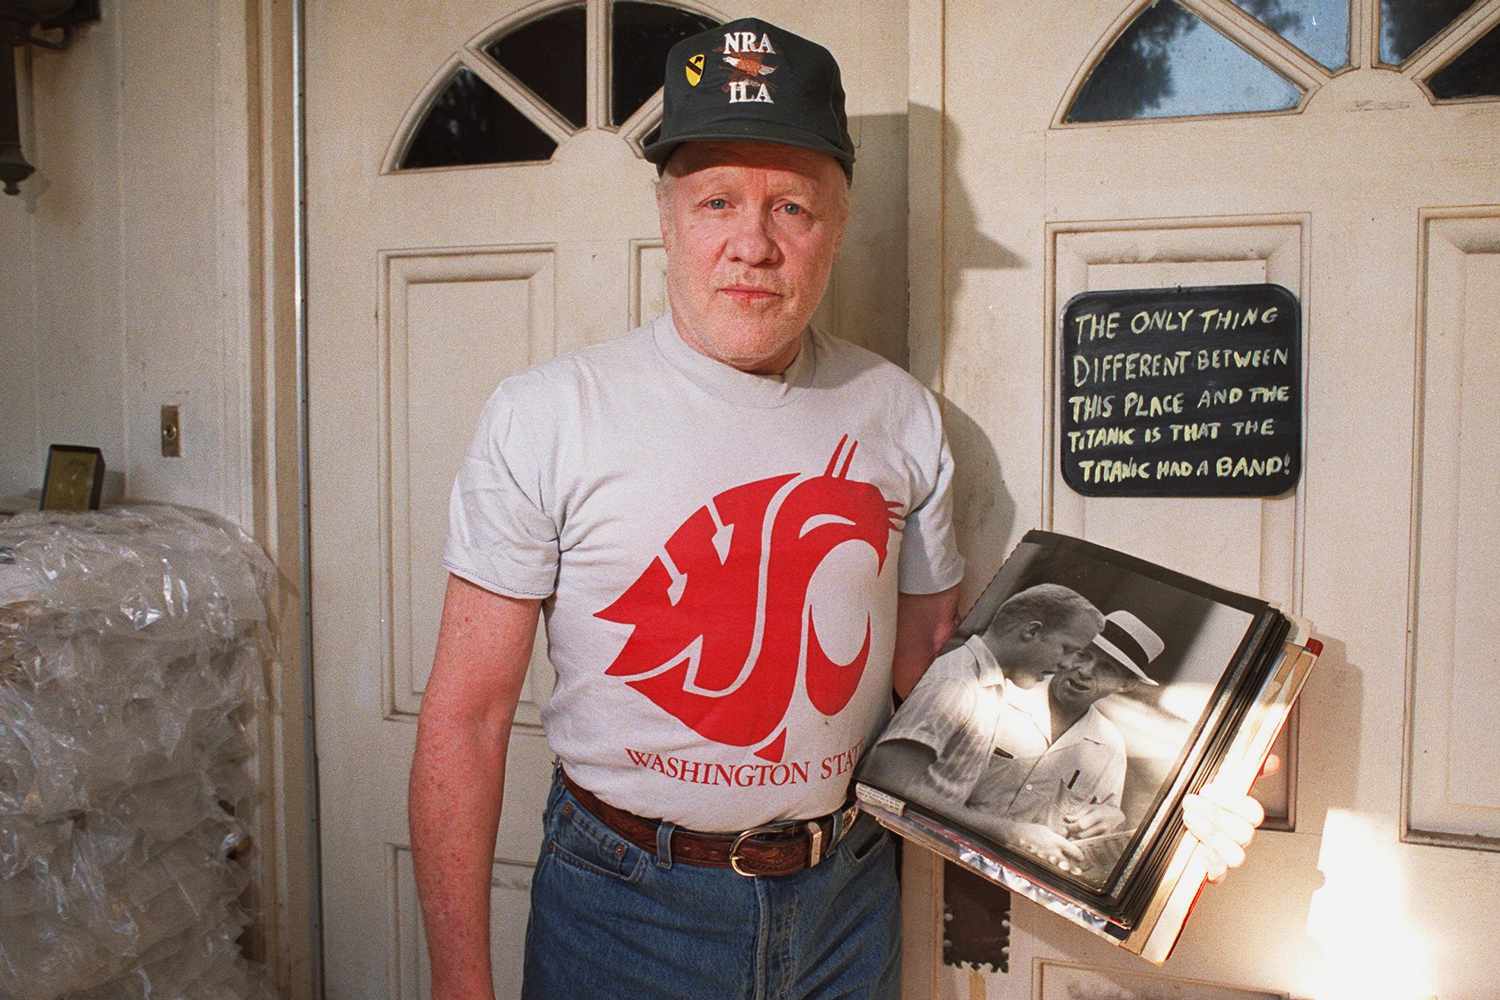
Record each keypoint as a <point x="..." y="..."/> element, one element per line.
<point x="1049" y="746"/>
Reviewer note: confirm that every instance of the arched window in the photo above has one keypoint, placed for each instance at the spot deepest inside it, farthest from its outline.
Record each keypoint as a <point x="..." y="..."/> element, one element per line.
<point x="1186" y="58"/>
<point x="514" y="93"/>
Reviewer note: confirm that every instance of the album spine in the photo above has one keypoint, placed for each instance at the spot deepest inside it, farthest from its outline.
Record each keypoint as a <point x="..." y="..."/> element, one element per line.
<point x="879" y="799"/>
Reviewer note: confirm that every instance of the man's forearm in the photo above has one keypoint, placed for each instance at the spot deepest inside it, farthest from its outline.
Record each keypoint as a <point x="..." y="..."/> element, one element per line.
<point x="457" y="775"/>
<point x="923" y="623"/>
<point x="458" y="772"/>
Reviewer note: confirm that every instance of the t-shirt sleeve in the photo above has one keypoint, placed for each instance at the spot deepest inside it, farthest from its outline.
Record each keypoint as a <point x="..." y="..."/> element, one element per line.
<point x="500" y="533"/>
<point x="936" y="707"/>
<point x="930" y="561"/>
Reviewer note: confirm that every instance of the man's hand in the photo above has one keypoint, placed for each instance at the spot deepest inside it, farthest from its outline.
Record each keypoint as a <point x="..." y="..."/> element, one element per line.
<point x="1092" y="820"/>
<point x="1041" y="841"/>
<point x="1224" y="823"/>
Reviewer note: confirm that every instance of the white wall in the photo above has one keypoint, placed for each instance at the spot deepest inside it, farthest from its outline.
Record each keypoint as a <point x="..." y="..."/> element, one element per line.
<point x="113" y="280"/>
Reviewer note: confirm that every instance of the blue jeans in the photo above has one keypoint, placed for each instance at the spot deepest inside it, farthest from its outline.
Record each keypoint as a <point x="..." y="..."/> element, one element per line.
<point x="610" y="920"/>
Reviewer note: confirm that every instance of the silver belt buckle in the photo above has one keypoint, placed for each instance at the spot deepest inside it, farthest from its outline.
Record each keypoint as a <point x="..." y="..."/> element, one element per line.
<point x="816" y="851"/>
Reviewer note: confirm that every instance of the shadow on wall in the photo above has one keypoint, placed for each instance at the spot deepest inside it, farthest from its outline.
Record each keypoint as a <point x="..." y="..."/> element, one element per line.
<point x="866" y="301"/>
<point x="985" y="509"/>
<point x="1331" y="707"/>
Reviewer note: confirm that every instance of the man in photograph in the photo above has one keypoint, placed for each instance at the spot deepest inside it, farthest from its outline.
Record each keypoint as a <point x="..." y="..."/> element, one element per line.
<point x="940" y="744"/>
<point x="1071" y="778"/>
<point x="1035" y="766"/>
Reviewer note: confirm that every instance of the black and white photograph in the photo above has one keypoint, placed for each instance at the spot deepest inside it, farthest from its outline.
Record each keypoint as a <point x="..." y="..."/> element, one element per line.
<point x="1059" y="715"/>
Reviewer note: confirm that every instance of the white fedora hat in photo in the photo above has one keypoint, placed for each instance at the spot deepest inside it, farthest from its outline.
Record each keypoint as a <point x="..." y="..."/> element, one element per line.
<point x="1130" y="642"/>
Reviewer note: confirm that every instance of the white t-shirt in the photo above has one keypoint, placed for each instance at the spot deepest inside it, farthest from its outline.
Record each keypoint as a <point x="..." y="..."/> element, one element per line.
<point x="719" y="556"/>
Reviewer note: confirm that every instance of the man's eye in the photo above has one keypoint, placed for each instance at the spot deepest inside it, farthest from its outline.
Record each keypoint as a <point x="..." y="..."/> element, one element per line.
<point x="792" y="208"/>
<point x="716" y="203"/>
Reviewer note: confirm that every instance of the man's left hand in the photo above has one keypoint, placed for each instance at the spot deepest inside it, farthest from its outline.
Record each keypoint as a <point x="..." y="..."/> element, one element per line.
<point x="1092" y="820"/>
<point x="1224" y="822"/>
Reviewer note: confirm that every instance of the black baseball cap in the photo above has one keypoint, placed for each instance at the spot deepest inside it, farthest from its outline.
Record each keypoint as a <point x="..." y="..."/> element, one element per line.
<point x="750" y="80"/>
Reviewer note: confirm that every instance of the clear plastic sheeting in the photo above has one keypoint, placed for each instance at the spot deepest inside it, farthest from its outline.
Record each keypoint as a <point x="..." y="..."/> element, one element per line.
<point x="132" y="644"/>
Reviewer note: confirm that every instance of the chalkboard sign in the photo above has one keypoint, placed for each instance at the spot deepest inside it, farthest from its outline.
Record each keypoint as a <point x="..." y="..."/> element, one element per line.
<point x="1182" y="391"/>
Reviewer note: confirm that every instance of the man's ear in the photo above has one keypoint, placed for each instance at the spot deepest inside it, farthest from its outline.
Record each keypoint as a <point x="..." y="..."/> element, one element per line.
<point x="1030" y="630"/>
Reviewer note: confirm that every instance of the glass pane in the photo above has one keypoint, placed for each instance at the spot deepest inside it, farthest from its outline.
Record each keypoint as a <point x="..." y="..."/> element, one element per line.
<point x="1406" y="25"/>
<point x="643" y="32"/>
<point x="1170" y="63"/>
<point x="468" y="124"/>
<point x="1475" y="73"/>
<point x="1318" y="27"/>
<point x="550" y="56"/>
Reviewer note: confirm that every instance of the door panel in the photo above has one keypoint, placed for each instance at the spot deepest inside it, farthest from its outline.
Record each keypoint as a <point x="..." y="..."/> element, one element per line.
<point x="1454" y="794"/>
<point x="452" y="320"/>
<point x="1253" y="546"/>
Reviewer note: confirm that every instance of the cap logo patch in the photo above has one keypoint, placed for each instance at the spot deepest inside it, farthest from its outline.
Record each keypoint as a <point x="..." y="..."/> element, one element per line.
<point x="694" y="69"/>
<point x="745" y="55"/>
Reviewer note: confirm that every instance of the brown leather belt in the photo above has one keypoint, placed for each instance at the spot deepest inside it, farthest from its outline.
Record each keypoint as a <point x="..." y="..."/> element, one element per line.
<point x="776" y="849"/>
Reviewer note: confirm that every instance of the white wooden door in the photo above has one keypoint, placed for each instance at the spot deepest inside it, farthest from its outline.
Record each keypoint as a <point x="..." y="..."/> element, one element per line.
<point x="426" y="287"/>
<point x="1373" y="199"/>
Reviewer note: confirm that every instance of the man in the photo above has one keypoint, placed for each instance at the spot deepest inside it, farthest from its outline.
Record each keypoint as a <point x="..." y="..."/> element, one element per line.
<point x="941" y="740"/>
<point x="1037" y="774"/>
<point x="984" y="702"/>
<point x="739" y="530"/>
<point x="718" y="512"/>
<point x="1070" y="777"/>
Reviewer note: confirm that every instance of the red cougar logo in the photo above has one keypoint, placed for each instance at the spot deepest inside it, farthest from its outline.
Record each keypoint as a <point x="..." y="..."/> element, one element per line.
<point x="723" y="622"/>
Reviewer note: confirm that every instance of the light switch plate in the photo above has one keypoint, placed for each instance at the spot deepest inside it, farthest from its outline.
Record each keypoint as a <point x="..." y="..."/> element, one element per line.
<point x="171" y="432"/>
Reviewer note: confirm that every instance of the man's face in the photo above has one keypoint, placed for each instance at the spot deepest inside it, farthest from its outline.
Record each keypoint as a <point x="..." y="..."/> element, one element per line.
<point x="1090" y="674"/>
<point x="751" y="230"/>
<point x="1055" y="649"/>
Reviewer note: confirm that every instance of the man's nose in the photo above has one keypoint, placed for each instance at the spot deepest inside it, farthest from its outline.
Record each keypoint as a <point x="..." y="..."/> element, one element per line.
<point x="751" y="241"/>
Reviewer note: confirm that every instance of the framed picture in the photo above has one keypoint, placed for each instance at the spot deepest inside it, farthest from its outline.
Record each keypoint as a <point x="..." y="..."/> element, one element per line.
<point x="75" y="478"/>
<point x="1049" y="746"/>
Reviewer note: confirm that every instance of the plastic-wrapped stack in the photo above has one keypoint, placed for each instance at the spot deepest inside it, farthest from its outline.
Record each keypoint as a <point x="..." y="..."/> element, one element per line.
<point x="132" y="645"/>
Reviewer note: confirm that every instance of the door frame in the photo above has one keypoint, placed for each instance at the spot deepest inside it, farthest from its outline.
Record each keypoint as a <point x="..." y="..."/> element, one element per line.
<point x="265" y="95"/>
<point x="927" y="318"/>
